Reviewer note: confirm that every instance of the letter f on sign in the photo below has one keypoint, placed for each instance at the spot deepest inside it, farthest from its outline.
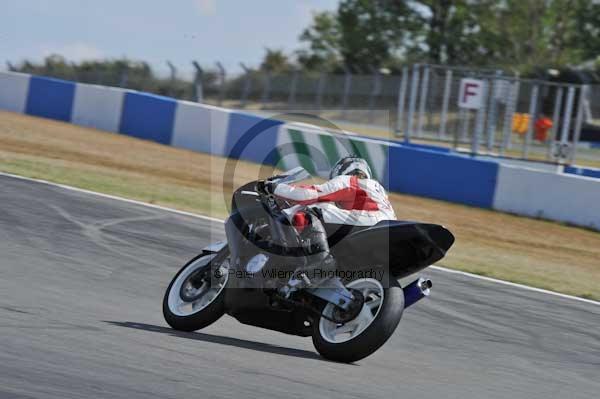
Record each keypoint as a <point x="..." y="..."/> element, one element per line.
<point x="469" y="92"/>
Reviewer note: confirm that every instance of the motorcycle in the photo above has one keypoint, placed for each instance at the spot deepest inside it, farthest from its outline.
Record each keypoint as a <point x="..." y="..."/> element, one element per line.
<point x="257" y="275"/>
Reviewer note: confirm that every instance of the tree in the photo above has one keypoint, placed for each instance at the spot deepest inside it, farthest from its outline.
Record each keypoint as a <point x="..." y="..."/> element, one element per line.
<point x="275" y="61"/>
<point x="361" y="34"/>
<point x="586" y="36"/>
<point x="515" y="34"/>
<point x="324" y="41"/>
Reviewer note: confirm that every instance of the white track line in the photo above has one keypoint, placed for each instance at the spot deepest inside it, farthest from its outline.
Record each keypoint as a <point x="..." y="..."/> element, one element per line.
<point x="163" y="208"/>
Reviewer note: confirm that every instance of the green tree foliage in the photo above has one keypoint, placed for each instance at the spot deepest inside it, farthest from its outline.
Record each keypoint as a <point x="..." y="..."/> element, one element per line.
<point x="275" y="61"/>
<point x="586" y="36"/>
<point x="517" y="34"/>
<point x="362" y="34"/>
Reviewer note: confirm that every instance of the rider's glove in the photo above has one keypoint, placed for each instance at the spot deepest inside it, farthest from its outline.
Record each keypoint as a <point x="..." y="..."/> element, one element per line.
<point x="317" y="212"/>
<point x="265" y="186"/>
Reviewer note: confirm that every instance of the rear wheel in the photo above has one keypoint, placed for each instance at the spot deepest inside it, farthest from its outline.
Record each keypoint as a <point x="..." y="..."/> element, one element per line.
<point x="367" y="332"/>
<point x="195" y="297"/>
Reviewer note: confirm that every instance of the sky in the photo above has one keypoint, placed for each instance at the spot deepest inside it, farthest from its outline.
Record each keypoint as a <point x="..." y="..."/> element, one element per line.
<point x="229" y="31"/>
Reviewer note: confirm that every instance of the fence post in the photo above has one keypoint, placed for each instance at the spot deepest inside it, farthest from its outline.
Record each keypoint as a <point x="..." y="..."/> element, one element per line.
<point x="423" y="100"/>
<point x="463" y="125"/>
<point x="511" y="106"/>
<point x="221" y="83"/>
<point x="320" y="88"/>
<point x="173" y="74"/>
<point x="532" y="116"/>
<point x="374" y="91"/>
<point x="412" y="102"/>
<point x="566" y="125"/>
<point x="479" y="120"/>
<point x="198" y="91"/>
<point x="266" y="88"/>
<point x="124" y="78"/>
<point x="583" y="92"/>
<point x="555" y="121"/>
<point x="444" y="116"/>
<point x="293" y="84"/>
<point x="401" y="100"/>
<point x="492" y="113"/>
<point x="347" y="85"/>
<point x="247" y="85"/>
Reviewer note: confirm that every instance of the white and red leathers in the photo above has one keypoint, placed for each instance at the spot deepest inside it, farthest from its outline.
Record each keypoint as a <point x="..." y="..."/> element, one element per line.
<point x="344" y="199"/>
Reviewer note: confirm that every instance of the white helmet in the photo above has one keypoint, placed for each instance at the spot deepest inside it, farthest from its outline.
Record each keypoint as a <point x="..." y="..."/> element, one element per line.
<point x="349" y="166"/>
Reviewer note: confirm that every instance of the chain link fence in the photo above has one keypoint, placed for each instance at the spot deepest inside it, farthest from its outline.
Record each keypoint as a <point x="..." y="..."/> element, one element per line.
<point x="515" y="117"/>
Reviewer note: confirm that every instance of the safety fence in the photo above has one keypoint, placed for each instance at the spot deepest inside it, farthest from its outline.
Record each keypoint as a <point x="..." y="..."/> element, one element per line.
<point x="505" y="116"/>
<point x="413" y="169"/>
<point x="496" y="114"/>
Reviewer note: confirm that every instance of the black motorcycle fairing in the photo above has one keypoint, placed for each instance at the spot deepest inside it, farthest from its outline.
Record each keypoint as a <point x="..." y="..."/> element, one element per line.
<point x="249" y="292"/>
<point x="405" y="247"/>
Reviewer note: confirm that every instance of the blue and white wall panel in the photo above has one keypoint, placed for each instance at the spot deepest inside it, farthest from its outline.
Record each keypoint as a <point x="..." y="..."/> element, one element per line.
<point x="589" y="172"/>
<point x="447" y="177"/>
<point x="14" y="88"/>
<point x="148" y="116"/>
<point x="252" y="138"/>
<point x="98" y="107"/>
<point x="50" y="98"/>
<point x="200" y="127"/>
<point x="560" y="197"/>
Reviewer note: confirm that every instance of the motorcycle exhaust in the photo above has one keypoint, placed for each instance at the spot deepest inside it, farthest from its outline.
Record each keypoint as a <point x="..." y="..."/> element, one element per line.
<point x="416" y="291"/>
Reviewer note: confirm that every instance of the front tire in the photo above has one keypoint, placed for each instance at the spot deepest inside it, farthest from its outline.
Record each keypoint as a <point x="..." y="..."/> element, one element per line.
<point x="368" y="331"/>
<point x="196" y="296"/>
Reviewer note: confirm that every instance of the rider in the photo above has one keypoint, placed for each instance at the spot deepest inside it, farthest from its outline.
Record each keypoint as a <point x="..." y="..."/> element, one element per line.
<point x="350" y="197"/>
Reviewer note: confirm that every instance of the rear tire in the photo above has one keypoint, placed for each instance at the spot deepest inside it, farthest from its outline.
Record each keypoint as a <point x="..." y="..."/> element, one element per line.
<point x="207" y="313"/>
<point x="367" y="341"/>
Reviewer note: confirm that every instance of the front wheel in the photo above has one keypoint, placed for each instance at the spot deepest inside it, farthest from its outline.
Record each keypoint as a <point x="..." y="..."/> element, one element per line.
<point x="196" y="296"/>
<point x="367" y="332"/>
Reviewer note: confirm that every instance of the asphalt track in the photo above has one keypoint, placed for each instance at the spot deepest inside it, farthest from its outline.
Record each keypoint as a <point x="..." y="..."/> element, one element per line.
<point x="81" y="284"/>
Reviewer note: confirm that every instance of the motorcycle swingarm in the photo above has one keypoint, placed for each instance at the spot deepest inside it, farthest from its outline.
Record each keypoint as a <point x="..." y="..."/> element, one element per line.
<point x="332" y="290"/>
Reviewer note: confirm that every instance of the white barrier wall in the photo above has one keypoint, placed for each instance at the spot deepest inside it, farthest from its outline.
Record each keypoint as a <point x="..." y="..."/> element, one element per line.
<point x="554" y="196"/>
<point x="200" y="127"/>
<point x="14" y="88"/>
<point x="98" y="107"/>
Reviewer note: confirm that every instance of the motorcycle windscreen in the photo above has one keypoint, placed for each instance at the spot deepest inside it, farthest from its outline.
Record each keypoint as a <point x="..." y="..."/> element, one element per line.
<point x="402" y="247"/>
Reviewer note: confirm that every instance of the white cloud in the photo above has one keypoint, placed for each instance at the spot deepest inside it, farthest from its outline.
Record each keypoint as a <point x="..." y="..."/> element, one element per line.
<point x="206" y="8"/>
<point x="73" y="51"/>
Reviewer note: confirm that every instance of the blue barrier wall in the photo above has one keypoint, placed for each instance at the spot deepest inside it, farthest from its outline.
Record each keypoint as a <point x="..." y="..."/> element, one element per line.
<point x="148" y="116"/>
<point x="252" y="138"/>
<point x="428" y="147"/>
<point x="442" y="176"/>
<point x="50" y="98"/>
